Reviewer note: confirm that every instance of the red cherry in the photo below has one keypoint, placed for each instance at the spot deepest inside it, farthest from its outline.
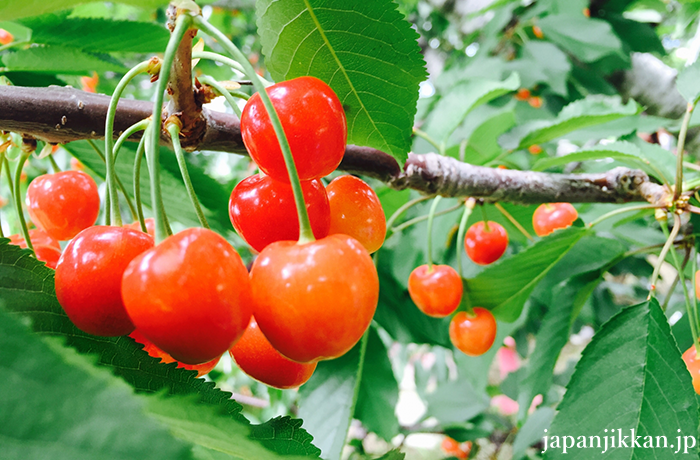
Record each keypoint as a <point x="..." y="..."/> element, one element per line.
<point x="257" y="358"/>
<point x="435" y="292"/>
<point x="473" y="335"/>
<point x="155" y="352"/>
<point x="697" y="284"/>
<point x="6" y="37"/>
<point x="485" y="247"/>
<point x="263" y="211"/>
<point x="553" y="216"/>
<point x="38" y="237"/>
<point x="314" y="301"/>
<point x="356" y="211"/>
<point x="89" y="276"/>
<point x="692" y="362"/>
<point x="150" y="226"/>
<point x="313" y="120"/>
<point x="190" y="295"/>
<point x="456" y="449"/>
<point x="47" y="254"/>
<point x="64" y="203"/>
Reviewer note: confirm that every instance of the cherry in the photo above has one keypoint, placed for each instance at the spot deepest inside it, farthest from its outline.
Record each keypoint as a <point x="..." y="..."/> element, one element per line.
<point x="189" y="295"/>
<point x="437" y="291"/>
<point x="455" y="449"/>
<point x="38" y="237"/>
<point x="256" y="357"/>
<point x="697" y="284"/>
<point x="553" y="216"/>
<point x="313" y="120"/>
<point x="314" y="301"/>
<point x="47" y="254"/>
<point x="89" y="276"/>
<point x="150" y="226"/>
<point x="356" y="211"/>
<point x="692" y="362"/>
<point x="6" y="37"/>
<point x="473" y="335"/>
<point x="63" y="203"/>
<point x="485" y="246"/>
<point x="155" y="352"/>
<point x="263" y="211"/>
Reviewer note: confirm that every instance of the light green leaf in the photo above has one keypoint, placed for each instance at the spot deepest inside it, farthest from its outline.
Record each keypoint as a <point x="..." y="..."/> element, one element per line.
<point x="532" y="430"/>
<point x="456" y="401"/>
<point x="688" y="83"/>
<point x="660" y="164"/>
<point x="59" y="59"/>
<point x="462" y="99"/>
<point x="366" y="51"/>
<point x="15" y="9"/>
<point x="579" y="114"/>
<point x="586" y="38"/>
<point x="505" y="286"/>
<point x="633" y="369"/>
<point x="542" y="62"/>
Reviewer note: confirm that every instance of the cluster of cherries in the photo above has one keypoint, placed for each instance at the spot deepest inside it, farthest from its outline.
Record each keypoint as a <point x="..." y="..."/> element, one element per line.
<point x="437" y="289"/>
<point x="190" y="298"/>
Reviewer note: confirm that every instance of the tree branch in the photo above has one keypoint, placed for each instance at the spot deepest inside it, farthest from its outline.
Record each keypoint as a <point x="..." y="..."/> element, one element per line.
<point x="60" y="115"/>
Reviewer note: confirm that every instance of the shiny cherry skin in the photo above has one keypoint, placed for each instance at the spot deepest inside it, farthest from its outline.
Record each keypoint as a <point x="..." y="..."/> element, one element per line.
<point x="89" y="278"/>
<point x="314" y="301"/>
<point x="692" y="362"/>
<point x="553" y="216"/>
<point x="473" y="335"/>
<point x="258" y="359"/>
<point x="47" y="254"/>
<point x="155" y="352"/>
<point x="38" y="237"/>
<point x="189" y="295"/>
<point x="262" y="210"/>
<point x="437" y="291"/>
<point x="356" y="211"/>
<point x="485" y="247"/>
<point x="313" y="120"/>
<point x="64" y="203"/>
<point x="150" y="226"/>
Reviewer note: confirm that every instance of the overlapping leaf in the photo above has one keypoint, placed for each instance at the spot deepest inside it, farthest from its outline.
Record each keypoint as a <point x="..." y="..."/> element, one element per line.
<point x="59" y="59"/>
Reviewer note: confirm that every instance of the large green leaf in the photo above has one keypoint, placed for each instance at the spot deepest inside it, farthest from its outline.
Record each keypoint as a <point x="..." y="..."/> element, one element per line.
<point x="27" y="287"/>
<point x="56" y="405"/>
<point x="59" y="59"/>
<point x="482" y="145"/>
<point x="579" y="114"/>
<point x="657" y="162"/>
<point x="632" y="369"/>
<point x="366" y="52"/>
<point x="587" y="39"/>
<point x="542" y="62"/>
<point x="98" y="34"/>
<point x="14" y="9"/>
<point x="456" y="401"/>
<point x="531" y="431"/>
<point x="688" y="83"/>
<point x="505" y="286"/>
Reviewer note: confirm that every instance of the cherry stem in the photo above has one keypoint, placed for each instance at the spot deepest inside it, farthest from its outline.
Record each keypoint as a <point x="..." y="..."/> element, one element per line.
<point x="679" y="151"/>
<point x="130" y="131"/>
<point x="664" y="251"/>
<point x="54" y="165"/>
<point x="235" y="65"/>
<point x="137" y="183"/>
<point x="18" y="199"/>
<point x="468" y="208"/>
<point x="305" y="233"/>
<point x="222" y="91"/>
<point x="512" y="220"/>
<point x="419" y="219"/>
<point x="113" y="210"/>
<point x="402" y="209"/>
<point x="182" y="24"/>
<point x="425" y="136"/>
<point x="618" y="211"/>
<point x="431" y="218"/>
<point x="485" y="218"/>
<point x="174" y="131"/>
<point x="122" y="189"/>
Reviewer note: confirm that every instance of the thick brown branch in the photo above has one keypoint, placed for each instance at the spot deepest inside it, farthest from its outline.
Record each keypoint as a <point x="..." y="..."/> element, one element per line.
<point x="66" y="114"/>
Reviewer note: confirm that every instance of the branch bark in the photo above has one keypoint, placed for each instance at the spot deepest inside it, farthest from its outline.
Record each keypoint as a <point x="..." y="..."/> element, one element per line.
<point x="59" y="115"/>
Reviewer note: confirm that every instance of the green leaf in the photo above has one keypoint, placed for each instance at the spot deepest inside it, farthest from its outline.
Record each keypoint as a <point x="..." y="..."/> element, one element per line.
<point x="27" y="287"/>
<point x="454" y="106"/>
<point x="366" y="51"/>
<point x="532" y="430"/>
<point x="633" y="369"/>
<point x="579" y="114"/>
<point x="393" y="455"/>
<point x="379" y="391"/>
<point x="542" y="62"/>
<point x="505" y="286"/>
<point x="59" y="59"/>
<point x="586" y="38"/>
<point x="327" y="400"/>
<point x="688" y="83"/>
<point x="14" y="9"/>
<point x="98" y="34"/>
<point x="456" y="401"/>
<point x="654" y="160"/>
<point x="482" y="145"/>
<point x="56" y="405"/>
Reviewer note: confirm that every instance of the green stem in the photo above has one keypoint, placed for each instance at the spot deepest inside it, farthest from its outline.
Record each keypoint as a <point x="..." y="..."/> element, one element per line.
<point x="485" y="218"/>
<point x="54" y="165"/>
<point x="512" y="220"/>
<point x="679" y="151"/>
<point x="305" y="232"/>
<point x="137" y="183"/>
<point x="113" y="210"/>
<point x="621" y="211"/>
<point x="174" y="132"/>
<point x="664" y="251"/>
<point x="468" y="208"/>
<point x="8" y="176"/>
<point x="680" y="269"/>
<point x="182" y="24"/>
<point x="419" y="219"/>
<point x="226" y="61"/>
<point x="425" y="136"/>
<point x="18" y="199"/>
<point x="223" y="91"/>
<point x="122" y="189"/>
<point x="431" y="218"/>
<point x="136" y="127"/>
<point x="13" y="44"/>
<point x="399" y="212"/>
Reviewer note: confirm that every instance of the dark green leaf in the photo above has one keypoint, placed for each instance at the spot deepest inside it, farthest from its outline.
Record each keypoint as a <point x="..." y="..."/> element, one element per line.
<point x="15" y="9"/>
<point x="366" y="52"/>
<point x="638" y="36"/>
<point x="59" y="59"/>
<point x="633" y="369"/>
<point x="587" y="39"/>
<point x="392" y="455"/>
